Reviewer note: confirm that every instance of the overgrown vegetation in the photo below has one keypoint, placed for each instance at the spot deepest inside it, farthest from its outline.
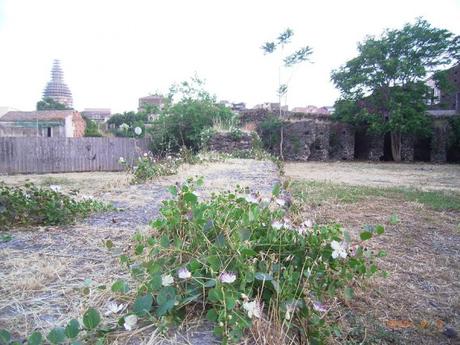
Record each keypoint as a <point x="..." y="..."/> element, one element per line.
<point x="124" y="125"/>
<point x="91" y="129"/>
<point x="48" y="103"/>
<point x="32" y="205"/>
<point x="384" y="89"/>
<point x="316" y="193"/>
<point x="181" y="123"/>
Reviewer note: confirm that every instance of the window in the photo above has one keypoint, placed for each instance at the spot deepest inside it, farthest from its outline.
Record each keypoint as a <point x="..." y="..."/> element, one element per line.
<point x="49" y="132"/>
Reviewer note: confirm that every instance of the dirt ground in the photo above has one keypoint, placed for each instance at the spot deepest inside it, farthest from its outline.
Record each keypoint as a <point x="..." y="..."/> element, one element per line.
<point x="51" y="274"/>
<point x="420" y="298"/>
<point x="418" y="175"/>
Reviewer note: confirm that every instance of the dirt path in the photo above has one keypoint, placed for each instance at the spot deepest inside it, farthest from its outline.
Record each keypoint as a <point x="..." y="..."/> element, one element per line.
<point x="52" y="274"/>
<point x="417" y="175"/>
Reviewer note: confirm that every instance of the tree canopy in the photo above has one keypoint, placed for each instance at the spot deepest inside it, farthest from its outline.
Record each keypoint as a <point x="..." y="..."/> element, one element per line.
<point x="384" y="89"/>
<point x="48" y="103"/>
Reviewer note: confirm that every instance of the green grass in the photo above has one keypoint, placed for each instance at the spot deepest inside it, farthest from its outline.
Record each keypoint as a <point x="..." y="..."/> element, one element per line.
<point x="317" y="193"/>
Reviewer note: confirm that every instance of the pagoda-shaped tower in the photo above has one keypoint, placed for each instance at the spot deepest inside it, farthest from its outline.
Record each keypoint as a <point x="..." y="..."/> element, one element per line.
<point x="56" y="88"/>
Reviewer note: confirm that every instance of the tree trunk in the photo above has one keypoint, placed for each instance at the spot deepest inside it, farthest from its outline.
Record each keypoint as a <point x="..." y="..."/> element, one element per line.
<point x="396" y="146"/>
<point x="281" y="143"/>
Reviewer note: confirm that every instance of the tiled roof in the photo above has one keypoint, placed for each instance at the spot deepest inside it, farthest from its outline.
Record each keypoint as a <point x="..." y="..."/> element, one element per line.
<point x="43" y="115"/>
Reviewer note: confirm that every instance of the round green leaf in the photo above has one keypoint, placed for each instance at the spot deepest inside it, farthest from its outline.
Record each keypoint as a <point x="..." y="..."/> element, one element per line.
<point x="72" y="329"/>
<point x="35" y="339"/>
<point x="5" y="337"/>
<point x="142" y="305"/>
<point x="120" y="286"/>
<point x="91" y="319"/>
<point x="56" y="335"/>
<point x="365" y="235"/>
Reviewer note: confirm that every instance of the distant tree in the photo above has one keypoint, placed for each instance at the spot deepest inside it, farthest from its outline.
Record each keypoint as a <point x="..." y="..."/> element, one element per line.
<point x="189" y="109"/>
<point x="123" y="125"/>
<point x="48" y="103"/>
<point x="384" y="87"/>
<point x="288" y="61"/>
<point x="91" y="129"/>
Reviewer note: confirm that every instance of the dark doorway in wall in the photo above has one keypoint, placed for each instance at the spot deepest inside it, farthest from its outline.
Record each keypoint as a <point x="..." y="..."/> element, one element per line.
<point x="361" y="145"/>
<point x="453" y="154"/>
<point x="422" y="149"/>
<point x="48" y="132"/>
<point x="387" y="155"/>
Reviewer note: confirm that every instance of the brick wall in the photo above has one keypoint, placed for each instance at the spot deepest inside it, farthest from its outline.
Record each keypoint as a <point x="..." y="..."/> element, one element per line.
<point x="79" y="125"/>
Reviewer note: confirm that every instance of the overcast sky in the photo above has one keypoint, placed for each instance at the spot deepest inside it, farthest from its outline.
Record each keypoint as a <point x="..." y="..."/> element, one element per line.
<point x="113" y="52"/>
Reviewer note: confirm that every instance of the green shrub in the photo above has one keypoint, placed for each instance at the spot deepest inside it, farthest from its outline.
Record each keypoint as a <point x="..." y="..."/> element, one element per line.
<point x="91" y="129"/>
<point x="239" y="255"/>
<point x="31" y="205"/>
<point x="181" y="124"/>
<point x="270" y="132"/>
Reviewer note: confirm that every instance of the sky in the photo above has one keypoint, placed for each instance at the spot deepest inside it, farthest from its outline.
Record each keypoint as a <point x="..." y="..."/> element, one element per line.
<point x="113" y="52"/>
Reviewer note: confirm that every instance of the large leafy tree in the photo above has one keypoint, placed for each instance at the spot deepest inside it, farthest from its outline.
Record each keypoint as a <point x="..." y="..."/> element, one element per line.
<point x="189" y="109"/>
<point x="48" y="103"/>
<point x="384" y="87"/>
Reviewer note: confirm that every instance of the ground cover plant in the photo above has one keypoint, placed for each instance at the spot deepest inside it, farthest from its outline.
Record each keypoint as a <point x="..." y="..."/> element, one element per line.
<point x="237" y="257"/>
<point x="32" y="205"/>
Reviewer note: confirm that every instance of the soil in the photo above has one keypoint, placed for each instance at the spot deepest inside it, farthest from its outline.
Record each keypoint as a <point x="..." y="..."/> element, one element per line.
<point x="378" y="174"/>
<point x="52" y="274"/>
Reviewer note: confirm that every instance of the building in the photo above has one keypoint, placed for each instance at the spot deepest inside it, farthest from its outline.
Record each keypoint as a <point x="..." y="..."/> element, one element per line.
<point x="56" y="88"/>
<point x="46" y="123"/>
<point x="311" y="109"/>
<point x="272" y="107"/>
<point x="99" y="115"/>
<point x="4" y="110"/>
<point x="449" y="98"/>
<point x="152" y="100"/>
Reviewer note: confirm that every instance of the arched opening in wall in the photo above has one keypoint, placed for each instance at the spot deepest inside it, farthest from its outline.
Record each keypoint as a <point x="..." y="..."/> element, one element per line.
<point x="387" y="154"/>
<point x="362" y="144"/>
<point x="453" y="154"/>
<point x="422" y="149"/>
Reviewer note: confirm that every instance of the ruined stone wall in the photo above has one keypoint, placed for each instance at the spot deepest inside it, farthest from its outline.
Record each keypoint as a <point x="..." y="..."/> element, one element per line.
<point x="407" y="148"/>
<point x="228" y="142"/>
<point x="439" y="141"/>
<point x="341" y="142"/>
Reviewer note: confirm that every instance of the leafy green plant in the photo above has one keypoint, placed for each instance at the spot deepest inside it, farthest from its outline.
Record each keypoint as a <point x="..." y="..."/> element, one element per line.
<point x="239" y="255"/>
<point x="32" y="205"/>
<point x="91" y="129"/>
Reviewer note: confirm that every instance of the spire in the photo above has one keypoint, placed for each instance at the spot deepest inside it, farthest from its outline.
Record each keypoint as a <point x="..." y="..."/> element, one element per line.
<point x="56" y="88"/>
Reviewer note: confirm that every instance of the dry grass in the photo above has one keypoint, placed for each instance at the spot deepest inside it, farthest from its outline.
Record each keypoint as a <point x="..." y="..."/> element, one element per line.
<point x="421" y="295"/>
<point x="416" y="175"/>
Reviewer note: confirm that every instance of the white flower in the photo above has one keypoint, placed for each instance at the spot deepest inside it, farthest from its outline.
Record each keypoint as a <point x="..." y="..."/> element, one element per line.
<point x="318" y="306"/>
<point x="277" y="225"/>
<point x="308" y="223"/>
<point x="114" y="308"/>
<point x="227" y="277"/>
<point x="167" y="280"/>
<point x="130" y="322"/>
<point x="169" y="158"/>
<point x="184" y="273"/>
<point x="340" y="249"/>
<point x="121" y="160"/>
<point x="124" y="126"/>
<point x="87" y="197"/>
<point x="253" y="309"/>
<point x="55" y="188"/>
<point x="145" y="154"/>
<point x="251" y="198"/>
<point x="281" y="202"/>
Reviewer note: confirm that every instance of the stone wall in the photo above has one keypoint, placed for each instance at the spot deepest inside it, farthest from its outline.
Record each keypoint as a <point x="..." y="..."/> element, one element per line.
<point x="341" y="142"/>
<point x="439" y="141"/>
<point x="228" y="142"/>
<point x="407" y="148"/>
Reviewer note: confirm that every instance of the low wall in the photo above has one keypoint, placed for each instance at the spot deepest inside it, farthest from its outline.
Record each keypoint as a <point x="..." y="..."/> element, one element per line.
<point x="52" y="155"/>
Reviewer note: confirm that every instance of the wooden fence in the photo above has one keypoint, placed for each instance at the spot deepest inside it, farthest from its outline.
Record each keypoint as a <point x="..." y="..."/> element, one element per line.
<point x="49" y="155"/>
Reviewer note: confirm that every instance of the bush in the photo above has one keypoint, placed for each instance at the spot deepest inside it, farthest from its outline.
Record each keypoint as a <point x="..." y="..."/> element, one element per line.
<point x="239" y="255"/>
<point x="123" y="125"/>
<point x="269" y="131"/>
<point x="181" y="124"/>
<point x="31" y="205"/>
<point x="91" y="129"/>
